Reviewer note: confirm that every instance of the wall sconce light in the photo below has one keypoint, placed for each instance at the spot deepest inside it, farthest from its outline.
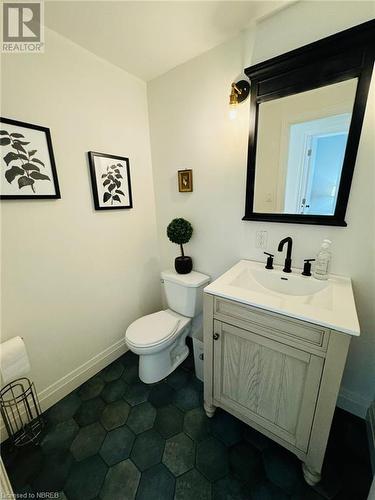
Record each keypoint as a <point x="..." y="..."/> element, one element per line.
<point x="240" y="91"/>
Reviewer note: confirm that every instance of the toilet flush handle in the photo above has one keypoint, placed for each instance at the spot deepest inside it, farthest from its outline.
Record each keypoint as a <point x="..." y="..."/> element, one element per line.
<point x="216" y="336"/>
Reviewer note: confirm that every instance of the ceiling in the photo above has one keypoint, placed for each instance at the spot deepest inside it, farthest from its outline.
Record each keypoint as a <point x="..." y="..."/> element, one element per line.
<point x="148" y="38"/>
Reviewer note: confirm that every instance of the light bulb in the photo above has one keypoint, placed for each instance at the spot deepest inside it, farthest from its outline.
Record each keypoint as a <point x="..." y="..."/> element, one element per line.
<point x="233" y="112"/>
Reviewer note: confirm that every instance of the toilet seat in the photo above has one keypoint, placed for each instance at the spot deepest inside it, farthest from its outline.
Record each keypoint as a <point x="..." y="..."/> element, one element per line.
<point x="153" y="329"/>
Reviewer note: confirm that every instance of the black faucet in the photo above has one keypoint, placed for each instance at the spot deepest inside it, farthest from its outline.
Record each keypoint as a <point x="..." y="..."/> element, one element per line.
<point x="288" y="260"/>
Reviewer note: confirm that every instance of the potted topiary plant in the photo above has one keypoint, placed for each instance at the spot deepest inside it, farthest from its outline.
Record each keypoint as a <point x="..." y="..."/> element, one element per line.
<point x="179" y="231"/>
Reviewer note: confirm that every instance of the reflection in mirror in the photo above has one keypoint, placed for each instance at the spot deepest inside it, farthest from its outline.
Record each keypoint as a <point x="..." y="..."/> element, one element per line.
<point x="300" y="150"/>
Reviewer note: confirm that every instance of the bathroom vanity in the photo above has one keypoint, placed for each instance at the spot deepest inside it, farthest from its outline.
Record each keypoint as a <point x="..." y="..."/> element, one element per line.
<point x="275" y="350"/>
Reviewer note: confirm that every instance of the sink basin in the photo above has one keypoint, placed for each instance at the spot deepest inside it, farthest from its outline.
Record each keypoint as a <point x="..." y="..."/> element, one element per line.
<point x="278" y="281"/>
<point x="329" y="303"/>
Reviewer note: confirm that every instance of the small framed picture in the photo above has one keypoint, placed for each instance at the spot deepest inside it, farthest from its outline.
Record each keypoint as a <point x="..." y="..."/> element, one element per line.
<point x="110" y="177"/>
<point x="28" y="167"/>
<point x="185" y="181"/>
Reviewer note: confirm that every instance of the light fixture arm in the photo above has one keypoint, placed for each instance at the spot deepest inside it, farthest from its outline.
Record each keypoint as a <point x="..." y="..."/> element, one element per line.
<point x="239" y="92"/>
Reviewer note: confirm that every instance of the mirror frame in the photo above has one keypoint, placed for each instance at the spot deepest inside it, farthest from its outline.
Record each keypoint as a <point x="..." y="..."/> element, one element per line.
<point x="343" y="56"/>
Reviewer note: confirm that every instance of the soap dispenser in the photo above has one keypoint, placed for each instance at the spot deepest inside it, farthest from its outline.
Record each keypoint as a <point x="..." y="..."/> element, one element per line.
<point x="322" y="261"/>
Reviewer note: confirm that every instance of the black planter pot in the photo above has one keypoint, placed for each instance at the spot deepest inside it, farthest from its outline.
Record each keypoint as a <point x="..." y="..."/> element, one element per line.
<point x="183" y="265"/>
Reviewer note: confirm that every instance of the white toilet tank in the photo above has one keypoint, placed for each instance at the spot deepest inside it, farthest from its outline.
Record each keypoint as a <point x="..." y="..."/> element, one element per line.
<point x="184" y="292"/>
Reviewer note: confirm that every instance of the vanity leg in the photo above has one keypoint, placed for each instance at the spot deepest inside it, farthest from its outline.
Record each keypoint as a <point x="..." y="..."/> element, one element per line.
<point x="209" y="409"/>
<point x="311" y="477"/>
<point x="208" y="327"/>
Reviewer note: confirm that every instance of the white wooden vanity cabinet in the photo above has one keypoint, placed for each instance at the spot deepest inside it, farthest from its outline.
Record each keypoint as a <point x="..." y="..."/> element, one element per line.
<point x="278" y="374"/>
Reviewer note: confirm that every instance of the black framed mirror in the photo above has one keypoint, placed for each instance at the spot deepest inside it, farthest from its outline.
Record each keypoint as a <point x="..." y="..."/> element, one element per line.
<point x="306" y="114"/>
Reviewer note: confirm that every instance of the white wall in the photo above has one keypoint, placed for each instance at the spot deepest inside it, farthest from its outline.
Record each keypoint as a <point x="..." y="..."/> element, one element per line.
<point x="74" y="278"/>
<point x="190" y="128"/>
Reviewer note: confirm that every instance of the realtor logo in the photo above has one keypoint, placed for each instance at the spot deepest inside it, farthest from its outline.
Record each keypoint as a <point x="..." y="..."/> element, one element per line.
<point x="23" y="27"/>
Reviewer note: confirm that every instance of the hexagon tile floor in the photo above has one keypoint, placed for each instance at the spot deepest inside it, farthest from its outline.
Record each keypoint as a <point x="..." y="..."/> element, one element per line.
<point x="115" y="438"/>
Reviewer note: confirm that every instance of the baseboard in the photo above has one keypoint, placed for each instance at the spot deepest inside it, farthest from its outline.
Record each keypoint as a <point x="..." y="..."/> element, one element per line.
<point x="353" y="402"/>
<point x="62" y="387"/>
<point x="370" y="420"/>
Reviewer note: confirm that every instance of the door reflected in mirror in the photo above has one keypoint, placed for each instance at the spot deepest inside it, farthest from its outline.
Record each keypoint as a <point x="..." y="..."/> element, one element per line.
<point x="300" y="150"/>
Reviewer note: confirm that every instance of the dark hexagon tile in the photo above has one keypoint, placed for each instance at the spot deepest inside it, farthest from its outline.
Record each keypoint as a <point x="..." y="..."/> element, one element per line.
<point x="61" y="496"/>
<point x="117" y="445"/>
<point x="136" y="393"/>
<point x="147" y="450"/>
<point x="60" y="437"/>
<point x="54" y="472"/>
<point x="64" y="409"/>
<point x="227" y="428"/>
<point x="229" y="488"/>
<point x="179" y="454"/>
<point x="88" y="441"/>
<point x="178" y="378"/>
<point x="129" y="359"/>
<point x="169" y="421"/>
<point x="255" y="438"/>
<point x="161" y="395"/>
<point x="112" y="371"/>
<point x="89" y="412"/>
<point x="130" y="375"/>
<point x="188" y="363"/>
<point x="188" y="397"/>
<point x="197" y="425"/>
<point x="113" y="390"/>
<point x="85" y="479"/>
<point x="9" y="453"/>
<point x="267" y="491"/>
<point x="156" y="483"/>
<point x="212" y="459"/>
<point x="335" y="478"/>
<point x="92" y="388"/>
<point x="141" y="417"/>
<point x="197" y="384"/>
<point x="115" y="414"/>
<point x="27" y="466"/>
<point x="307" y="493"/>
<point x="24" y="492"/>
<point x="192" y="485"/>
<point x="283" y="469"/>
<point x="246" y="463"/>
<point x="121" y="482"/>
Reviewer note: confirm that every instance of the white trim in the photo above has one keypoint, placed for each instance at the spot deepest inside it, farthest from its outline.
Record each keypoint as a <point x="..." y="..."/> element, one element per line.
<point x="62" y="387"/>
<point x="353" y="402"/>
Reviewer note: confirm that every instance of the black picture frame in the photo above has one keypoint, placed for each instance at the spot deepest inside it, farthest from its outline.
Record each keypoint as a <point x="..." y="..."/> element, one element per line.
<point x="343" y="56"/>
<point x="38" y="166"/>
<point x="96" y="173"/>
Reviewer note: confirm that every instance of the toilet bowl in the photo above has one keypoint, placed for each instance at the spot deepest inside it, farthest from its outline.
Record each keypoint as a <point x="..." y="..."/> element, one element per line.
<point x="160" y="338"/>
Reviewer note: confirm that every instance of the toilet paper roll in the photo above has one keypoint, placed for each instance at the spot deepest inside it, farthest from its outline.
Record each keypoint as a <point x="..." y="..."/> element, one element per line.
<point x="14" y="361"/>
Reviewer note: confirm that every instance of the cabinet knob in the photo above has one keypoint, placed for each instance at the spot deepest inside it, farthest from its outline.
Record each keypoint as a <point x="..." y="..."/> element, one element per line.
<point x="216" y="336"/>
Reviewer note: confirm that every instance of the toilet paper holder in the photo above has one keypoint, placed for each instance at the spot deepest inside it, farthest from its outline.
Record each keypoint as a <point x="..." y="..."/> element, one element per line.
<point x="21" y="412"/>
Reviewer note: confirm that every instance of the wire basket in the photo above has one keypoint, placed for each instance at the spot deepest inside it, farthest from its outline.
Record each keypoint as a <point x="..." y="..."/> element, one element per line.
<point x="20" y="409"/>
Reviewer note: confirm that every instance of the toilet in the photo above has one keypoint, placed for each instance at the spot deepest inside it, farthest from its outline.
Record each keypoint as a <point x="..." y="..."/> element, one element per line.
<point x="160" y="338"/>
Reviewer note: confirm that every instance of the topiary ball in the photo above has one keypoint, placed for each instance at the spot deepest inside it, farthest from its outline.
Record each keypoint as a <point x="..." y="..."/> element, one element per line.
<point x="179" y="231"/>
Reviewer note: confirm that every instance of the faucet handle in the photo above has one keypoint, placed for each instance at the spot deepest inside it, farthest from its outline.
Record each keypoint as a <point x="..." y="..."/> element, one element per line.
<point x="307" y="267"/>
<point x="269" y="264"/>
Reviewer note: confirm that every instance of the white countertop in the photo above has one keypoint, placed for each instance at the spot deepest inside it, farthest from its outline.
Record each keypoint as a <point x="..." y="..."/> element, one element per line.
<point x="328" y="303"/>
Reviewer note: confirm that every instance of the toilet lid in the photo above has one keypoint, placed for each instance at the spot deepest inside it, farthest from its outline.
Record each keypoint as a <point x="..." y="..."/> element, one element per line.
<point x="152" y="329"/>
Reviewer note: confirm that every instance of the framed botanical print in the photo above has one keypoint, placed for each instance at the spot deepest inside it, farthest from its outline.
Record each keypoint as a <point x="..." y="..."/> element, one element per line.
<point x="28" y="167"/>
<point x="110" y="177"/>
<point x="185" y="181"/>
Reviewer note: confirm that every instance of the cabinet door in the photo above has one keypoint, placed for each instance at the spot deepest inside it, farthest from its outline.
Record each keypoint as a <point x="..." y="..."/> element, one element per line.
<point x="266" y="381"/>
